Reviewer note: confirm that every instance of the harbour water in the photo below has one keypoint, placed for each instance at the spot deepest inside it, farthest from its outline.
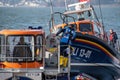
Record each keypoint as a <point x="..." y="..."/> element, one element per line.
<point x="22" y="17"/>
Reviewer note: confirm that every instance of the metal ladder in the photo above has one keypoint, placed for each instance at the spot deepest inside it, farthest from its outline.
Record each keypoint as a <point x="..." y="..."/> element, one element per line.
<point x="52" y="74"/>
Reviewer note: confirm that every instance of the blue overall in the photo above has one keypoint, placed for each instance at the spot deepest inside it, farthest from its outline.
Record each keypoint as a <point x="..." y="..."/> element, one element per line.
<point x="67" y="36"/>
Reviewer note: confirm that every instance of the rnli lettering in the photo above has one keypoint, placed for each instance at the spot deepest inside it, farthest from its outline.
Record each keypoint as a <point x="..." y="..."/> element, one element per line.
<point x="82" y="52"/>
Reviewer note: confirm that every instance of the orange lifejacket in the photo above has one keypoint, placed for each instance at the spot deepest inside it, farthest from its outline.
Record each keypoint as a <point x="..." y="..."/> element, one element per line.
<point x="111" y="37"/>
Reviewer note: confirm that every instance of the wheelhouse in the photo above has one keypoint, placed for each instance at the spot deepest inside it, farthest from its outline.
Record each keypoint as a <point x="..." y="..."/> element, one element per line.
<point x="28" y="55"/>
<point x="83" y="26"/>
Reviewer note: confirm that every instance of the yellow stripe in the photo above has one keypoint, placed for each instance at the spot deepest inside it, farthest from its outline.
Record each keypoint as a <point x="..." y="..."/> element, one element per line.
<point x="107" y="52"/>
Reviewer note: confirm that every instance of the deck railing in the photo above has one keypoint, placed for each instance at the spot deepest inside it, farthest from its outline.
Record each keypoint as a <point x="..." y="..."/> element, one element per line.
<point x="117" y="45"/>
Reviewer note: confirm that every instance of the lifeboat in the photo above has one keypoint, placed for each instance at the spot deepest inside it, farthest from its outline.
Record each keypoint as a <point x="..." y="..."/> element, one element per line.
<point x="86" y="43"/>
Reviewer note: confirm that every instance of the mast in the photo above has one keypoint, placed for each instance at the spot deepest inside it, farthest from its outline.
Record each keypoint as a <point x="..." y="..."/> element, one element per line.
<point x="51" y="22"/>
<point x="66" y="5"/>
<point x="51" y="6"/>
<point x="103" y="28"/>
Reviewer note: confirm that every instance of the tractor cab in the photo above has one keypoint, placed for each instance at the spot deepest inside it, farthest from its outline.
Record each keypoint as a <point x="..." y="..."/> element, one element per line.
<point x="21" y="50"/>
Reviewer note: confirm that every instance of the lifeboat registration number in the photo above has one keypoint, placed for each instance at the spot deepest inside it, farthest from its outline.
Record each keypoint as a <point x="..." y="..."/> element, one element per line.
<point x="82" y="52"/>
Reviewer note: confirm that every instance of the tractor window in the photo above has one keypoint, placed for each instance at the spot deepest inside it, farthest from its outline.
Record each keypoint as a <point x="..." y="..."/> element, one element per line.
<point x="2" y="48"/>
<point x="39" y="48"/>
<point x="85" y="27"/>
<point x="20" y="48"/>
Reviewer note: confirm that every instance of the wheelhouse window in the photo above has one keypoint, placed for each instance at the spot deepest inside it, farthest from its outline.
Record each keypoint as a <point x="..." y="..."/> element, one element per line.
<point x="85" y="27"/>
<point x="39" y="48"/>
<point x="20" y="48"/>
